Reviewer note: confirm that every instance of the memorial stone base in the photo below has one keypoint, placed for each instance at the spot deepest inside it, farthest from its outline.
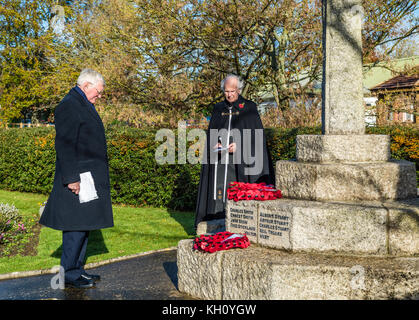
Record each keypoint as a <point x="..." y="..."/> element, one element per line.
<point x="345" y="228"/>
<point x="258" y="273"/>
<point x="310" y="250"/>
<point x="366" y="228"/>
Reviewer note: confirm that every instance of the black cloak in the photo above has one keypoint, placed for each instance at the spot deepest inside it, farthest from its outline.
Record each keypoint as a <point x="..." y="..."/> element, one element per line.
<point x="241" y="165"/>
<point x="80" y="146"/>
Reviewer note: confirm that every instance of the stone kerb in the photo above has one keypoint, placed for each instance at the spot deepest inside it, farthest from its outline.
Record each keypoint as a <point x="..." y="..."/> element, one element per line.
<point x="354" y="228"/>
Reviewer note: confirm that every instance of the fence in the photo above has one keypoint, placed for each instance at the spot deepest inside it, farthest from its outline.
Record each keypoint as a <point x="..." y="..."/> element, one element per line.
<point x="26" y="125"/>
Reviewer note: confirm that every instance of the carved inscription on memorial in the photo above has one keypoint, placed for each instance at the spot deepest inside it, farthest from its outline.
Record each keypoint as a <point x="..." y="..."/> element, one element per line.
<point x="274" y="228"/>
<point x="243" y="220"/>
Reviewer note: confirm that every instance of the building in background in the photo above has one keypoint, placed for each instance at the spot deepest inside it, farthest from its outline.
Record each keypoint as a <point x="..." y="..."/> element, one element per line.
<point x="390" y="91"/>
<point x="393" y="91"/>
<point x="401" y="94"/>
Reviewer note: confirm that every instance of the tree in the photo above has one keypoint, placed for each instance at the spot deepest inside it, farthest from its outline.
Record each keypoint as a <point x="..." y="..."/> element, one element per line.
<point x="387" y="23"/>
<point x="27" y="51"/>
<point x="168" y="56"/>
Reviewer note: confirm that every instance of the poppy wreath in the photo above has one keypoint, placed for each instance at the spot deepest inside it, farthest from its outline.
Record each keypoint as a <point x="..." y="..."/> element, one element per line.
<point x="220" y="241"/>
<point x="252" y="191"/>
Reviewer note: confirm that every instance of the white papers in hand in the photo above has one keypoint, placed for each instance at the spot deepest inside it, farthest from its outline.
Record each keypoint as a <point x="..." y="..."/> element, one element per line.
<point x="87" y="188"/>
<point x="220" y="149"/>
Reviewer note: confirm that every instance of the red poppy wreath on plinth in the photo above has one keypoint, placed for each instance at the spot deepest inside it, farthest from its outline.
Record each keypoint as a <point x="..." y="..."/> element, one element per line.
<point x="252" y="191"/>
<point x="220" y="241"/>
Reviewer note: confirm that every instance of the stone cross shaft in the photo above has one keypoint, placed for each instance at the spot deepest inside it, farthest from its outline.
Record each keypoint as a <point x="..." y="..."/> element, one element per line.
<point x="344" y="163"/>
<point x="342" y="108"/>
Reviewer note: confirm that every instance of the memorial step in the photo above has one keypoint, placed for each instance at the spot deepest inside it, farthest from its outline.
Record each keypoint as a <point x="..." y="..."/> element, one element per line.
<point x="368" y="228"/>
<point x="343" y="148"/>
<point x="391" y="180"/>
<point x="257" y="273"/>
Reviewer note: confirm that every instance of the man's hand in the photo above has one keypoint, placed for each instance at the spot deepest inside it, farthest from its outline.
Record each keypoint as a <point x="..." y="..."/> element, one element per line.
<point x="218" y="146"/>
<point x="232" y="147"/>
<point x="74" y="187"/>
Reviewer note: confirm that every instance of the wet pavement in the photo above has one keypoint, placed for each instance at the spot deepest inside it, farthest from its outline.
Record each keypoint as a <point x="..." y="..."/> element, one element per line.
<point x="148" y="277"/>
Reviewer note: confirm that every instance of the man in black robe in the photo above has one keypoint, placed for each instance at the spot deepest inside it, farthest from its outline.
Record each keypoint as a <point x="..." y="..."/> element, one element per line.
<point x="235" y="150"/>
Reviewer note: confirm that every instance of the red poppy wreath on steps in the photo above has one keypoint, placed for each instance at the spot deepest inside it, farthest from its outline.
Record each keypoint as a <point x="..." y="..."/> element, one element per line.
<point x="220" y="241"/>
<point x="252" y="191"/>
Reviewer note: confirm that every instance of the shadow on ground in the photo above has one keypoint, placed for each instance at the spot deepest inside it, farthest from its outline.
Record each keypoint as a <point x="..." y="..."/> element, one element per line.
<point x="95" y="246"/>
<point x="149" y="277"/>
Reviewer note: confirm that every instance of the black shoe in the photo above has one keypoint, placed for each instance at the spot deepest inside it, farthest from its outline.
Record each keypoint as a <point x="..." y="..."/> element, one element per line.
<point x="80" y="283"/>
<point x="93" y="277"/>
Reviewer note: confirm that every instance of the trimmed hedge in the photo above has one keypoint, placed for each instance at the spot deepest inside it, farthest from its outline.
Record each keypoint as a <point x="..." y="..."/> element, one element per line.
<point x="27" y="159"/>
<point x="27" y="162"/>
<point x="137" y="179"/>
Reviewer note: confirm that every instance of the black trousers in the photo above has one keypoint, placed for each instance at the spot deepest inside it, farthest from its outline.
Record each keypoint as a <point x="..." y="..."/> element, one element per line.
<point x="74" y="253"/>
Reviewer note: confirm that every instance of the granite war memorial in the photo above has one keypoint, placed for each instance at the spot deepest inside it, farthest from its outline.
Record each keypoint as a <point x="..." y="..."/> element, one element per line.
<point x="348" y="224"/>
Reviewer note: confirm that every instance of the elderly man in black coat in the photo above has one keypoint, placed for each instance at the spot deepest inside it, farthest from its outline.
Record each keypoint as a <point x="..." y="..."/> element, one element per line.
<point x="80" y="146"/>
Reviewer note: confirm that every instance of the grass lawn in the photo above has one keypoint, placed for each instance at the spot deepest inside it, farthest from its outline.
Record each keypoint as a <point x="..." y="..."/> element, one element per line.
<point x="136" y="230"/>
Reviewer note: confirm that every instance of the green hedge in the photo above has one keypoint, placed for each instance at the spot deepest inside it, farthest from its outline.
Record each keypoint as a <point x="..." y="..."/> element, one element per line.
<point x="27" y="159"/>
<point x="137" y="179"/>
<point x="27" y="162"/>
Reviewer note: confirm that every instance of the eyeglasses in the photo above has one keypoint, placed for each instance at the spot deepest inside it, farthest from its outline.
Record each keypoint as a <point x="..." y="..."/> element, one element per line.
<point x="99" y="93"/>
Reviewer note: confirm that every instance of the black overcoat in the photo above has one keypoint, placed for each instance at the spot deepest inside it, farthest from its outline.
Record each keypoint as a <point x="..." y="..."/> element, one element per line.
<point x="80" y="146"/>
<point x="245" y="116"/>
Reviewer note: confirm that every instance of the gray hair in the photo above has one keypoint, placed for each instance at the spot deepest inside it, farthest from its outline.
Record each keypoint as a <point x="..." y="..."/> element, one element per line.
<point x="91" y="76"/>
<point x="240" y="82"/>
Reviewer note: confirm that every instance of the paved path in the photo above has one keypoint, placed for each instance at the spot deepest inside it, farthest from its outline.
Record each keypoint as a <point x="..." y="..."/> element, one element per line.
<point x="152" y="276"/>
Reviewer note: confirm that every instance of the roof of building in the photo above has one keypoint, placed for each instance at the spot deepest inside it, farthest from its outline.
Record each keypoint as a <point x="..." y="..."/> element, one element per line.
<point x="374" y="75"/>
<point x="398" y="83"/>
<point x="385" y="70"/>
